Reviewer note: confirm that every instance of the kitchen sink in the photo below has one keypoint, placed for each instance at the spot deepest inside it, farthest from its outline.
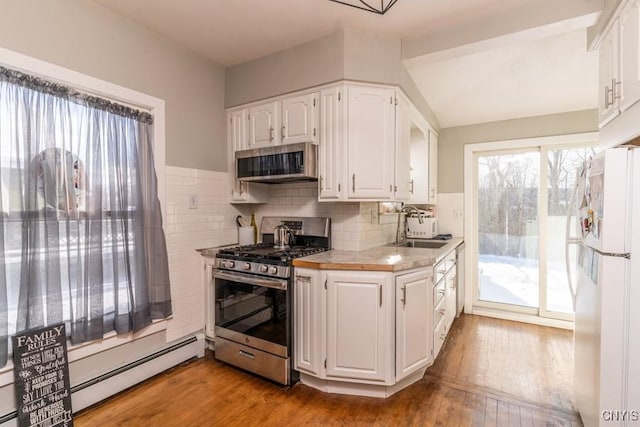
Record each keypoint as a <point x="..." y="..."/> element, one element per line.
<point x="429" y="244"/>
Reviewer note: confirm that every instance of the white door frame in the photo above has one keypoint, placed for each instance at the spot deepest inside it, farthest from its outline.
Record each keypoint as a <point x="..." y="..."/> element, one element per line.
<point x="471" y="152"/>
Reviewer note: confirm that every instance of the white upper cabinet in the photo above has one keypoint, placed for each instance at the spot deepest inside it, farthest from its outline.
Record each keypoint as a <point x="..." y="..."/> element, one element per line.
<point x="619" y="61"/>
<point x="371" y="136"/>
<point x="433" y="167"/>
<point x="402" y="185"/>
<point x="331" y="152"/>
<point x="241" y="192"/>
<point x="630" y="54"/>
<point x="264" y="123"/>
<point x="300" y="118"/>
<point x="237" y="131"/>
<point x="609" y="75"/>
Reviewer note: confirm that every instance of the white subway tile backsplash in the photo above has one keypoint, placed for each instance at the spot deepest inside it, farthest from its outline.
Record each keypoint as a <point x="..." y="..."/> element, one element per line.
<point x="449" y="209"/>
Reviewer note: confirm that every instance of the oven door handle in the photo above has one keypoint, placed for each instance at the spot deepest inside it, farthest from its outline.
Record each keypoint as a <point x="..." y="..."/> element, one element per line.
<point x="267" y="282"/>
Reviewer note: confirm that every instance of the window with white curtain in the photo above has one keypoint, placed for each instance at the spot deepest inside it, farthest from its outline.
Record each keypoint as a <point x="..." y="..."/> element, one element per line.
<point x="81" y="237"/>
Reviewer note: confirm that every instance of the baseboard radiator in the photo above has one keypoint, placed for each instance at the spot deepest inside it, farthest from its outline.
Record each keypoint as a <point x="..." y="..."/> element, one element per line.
<point x="110" y="383"/>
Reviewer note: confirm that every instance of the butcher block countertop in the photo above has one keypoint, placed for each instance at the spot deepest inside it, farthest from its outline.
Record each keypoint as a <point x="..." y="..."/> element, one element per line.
<point x="380" y="258"/>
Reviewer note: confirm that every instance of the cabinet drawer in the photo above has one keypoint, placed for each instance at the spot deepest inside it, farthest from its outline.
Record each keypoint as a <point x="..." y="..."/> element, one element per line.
<point x="450" y="260"/>
<point x="439" y="270"/>
<point x="439" y="311"/>
<point x="438" y="292"/>
<point x="439" y="335"/>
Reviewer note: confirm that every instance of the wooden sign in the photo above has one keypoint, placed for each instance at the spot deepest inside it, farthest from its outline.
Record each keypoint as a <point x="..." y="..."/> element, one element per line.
<point x="41" y="372"/>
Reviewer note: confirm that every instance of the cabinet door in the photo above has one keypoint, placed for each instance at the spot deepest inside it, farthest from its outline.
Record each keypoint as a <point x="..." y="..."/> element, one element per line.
<point x="413" y="322"/>
<point x="300" y="118"/>
<point x="241" y="192"/>
<point x="419" y="166"/>
<point x="402" y="185"/>
<point x="608" y="75"/>
<point x="630" y="54"/>
<point x="308" y="321"/>
<point x="331" y="144"/>
<point x="433" y="167"/>
<point x="263" y="125"/>
<point x="359" y="326"/>
<point x="371" y="143"/>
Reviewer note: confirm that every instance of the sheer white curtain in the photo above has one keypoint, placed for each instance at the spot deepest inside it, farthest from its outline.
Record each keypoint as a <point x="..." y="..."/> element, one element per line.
<point x="81" y="237"/>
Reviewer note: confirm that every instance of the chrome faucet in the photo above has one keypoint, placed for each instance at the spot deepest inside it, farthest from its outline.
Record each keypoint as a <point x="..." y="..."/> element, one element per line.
<point x="401" y="235"/>
<point x="413" y="210"/>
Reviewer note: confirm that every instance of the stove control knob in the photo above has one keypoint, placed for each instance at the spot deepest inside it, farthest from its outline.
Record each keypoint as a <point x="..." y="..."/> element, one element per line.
<point x="247" y="266"/>
<point x="273" y="270"/>
<point x="263" y="269"/>
<point x="229" y="264"/>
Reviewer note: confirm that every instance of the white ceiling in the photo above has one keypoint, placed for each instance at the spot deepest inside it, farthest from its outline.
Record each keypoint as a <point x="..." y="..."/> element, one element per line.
<point x="519" y="79"/>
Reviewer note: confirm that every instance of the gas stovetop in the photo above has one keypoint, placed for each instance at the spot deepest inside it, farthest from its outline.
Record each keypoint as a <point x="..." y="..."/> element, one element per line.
<point x="267" y="252"/>
<point x="311" y="235"/>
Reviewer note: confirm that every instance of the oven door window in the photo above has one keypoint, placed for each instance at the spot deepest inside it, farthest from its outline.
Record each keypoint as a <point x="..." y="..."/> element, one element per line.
<point x="253" y="310"/>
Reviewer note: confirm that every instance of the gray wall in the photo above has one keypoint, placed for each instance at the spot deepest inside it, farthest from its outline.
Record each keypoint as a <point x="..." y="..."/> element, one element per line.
<point x="87" y="38"/>
<point x="452" y="140"/>
<point x="310" y="64"/>
<point x="345" y="54"/>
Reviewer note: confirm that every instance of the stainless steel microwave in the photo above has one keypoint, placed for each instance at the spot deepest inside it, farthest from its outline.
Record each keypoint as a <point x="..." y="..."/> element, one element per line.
<point x="280" y="163"/>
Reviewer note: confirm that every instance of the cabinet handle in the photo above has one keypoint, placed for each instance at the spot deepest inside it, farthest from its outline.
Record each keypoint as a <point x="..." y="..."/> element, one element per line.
<point x="615" y="90"/>
<point x="441" y="291"/>
<point x="282" y="132"/>
<point x="339" y="186"/>
<point x="270" y="134"/>
<point x="442" y="311"/>
<point x="303" y="278"/>
<point x="606" y="97"/>
<point x="390" y="188"/>
<point x="321" y="187"/>
<point x="404" y="295"/>
<point x="443" y="336"/>
<point x="442" y="271"/>
<point x="380" y="295"/>
<point x="241" y="184"/>
<point x="353" y="183"/>
<point x="411" y="186"/>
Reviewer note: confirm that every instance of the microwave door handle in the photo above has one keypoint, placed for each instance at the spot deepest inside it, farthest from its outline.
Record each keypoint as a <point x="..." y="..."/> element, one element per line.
<point x="252" y="280"/>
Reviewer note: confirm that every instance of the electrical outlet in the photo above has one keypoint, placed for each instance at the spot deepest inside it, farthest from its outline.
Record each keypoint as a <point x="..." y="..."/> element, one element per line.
<point x="193" y="201"/>
<point x="457" y="213"/>
<point x="374" y="216"/>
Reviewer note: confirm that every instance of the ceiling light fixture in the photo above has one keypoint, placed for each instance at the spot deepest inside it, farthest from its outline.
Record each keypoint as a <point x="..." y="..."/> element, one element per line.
<point x="364" y="5"/>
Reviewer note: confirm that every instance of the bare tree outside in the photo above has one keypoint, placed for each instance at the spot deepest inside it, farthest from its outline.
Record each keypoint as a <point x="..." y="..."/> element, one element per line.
<point x="508" y="225"/>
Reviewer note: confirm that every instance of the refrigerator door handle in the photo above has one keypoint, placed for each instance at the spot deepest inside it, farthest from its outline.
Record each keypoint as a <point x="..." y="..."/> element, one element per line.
<point x="568" y="242"/>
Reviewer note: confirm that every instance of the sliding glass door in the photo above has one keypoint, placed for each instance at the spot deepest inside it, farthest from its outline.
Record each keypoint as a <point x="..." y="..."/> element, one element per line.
<point x="521" y="200"/>
<point x="508" y="205"/>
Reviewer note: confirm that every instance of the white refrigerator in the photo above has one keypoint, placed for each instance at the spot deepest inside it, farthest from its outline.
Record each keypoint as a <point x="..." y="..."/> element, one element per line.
<point x="607" y="289"/>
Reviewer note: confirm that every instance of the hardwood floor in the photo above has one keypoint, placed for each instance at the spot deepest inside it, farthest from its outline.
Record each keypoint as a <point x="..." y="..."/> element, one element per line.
<point x="490" y="373"/>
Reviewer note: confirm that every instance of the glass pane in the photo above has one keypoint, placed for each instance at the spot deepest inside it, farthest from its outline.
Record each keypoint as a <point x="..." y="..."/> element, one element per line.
<point x="508" y="228"/>
<point x="562" y="165"/>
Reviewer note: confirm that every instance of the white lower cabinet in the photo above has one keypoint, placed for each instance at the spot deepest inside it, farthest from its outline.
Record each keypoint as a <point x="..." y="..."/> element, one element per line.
<point x="362" y="332"/>
<point x="309" y="320"/>
<point x="359" y="326"/>
<point x="413" y="322"/>
<point x="444" y="299"/>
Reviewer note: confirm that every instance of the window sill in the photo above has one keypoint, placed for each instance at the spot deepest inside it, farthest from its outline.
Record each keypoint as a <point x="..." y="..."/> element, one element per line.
<point x="83" y="350"/>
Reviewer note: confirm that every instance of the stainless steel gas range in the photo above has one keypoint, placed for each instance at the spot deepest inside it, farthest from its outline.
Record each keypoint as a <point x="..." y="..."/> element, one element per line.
<point x="253" y="297"/>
